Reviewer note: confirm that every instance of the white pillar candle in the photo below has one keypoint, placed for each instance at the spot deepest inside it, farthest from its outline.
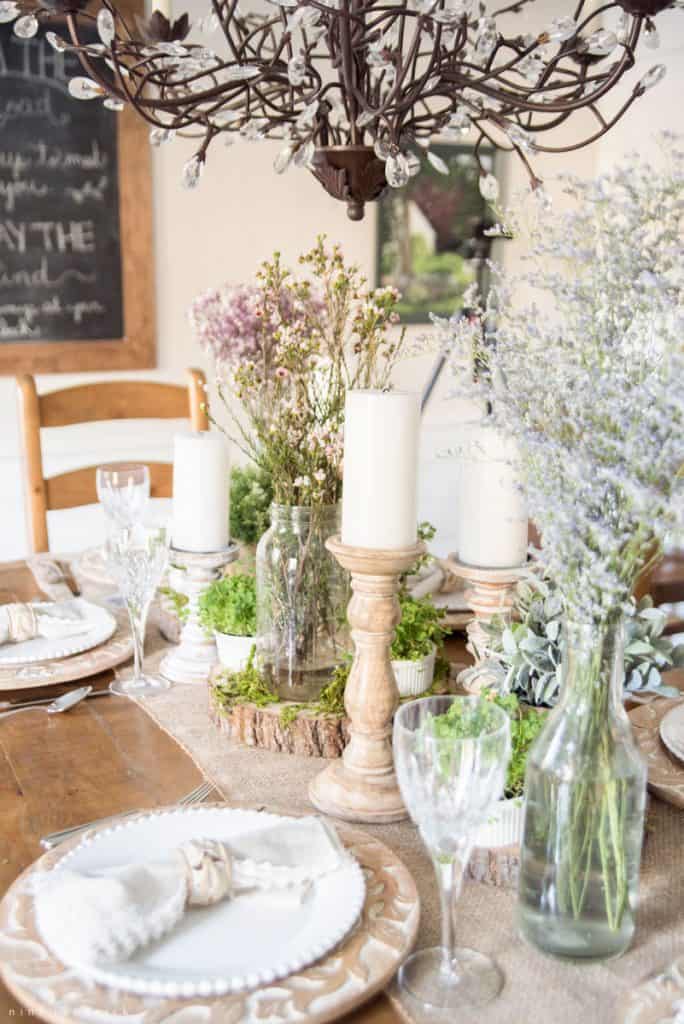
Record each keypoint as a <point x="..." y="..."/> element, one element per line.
<point x="492" y="514"/>
<point x="379" y="495"/>
<point x="201" y="488"/>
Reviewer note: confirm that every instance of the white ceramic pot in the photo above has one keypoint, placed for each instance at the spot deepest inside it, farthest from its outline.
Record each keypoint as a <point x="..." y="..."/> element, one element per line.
<point x="504" y="827"/>
<point x="415" y="677"/>
<point x="234" y="651"/>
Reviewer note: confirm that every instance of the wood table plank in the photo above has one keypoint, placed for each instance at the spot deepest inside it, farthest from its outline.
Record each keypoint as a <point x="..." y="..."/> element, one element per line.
<point x="103" y="757"/>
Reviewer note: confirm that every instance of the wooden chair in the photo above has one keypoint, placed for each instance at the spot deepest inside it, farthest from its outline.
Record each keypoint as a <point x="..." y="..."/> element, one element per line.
<point x="89" y="403"/>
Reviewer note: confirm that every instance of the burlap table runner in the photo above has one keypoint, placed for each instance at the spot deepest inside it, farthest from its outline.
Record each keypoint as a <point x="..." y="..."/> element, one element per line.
<point x="537" y="990"/>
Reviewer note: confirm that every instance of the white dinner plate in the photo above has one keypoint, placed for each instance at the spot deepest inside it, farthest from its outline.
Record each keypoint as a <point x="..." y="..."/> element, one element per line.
<point x="101" y="626"/>
<point x="233" y="945"/>
<point x="672" y="731"/>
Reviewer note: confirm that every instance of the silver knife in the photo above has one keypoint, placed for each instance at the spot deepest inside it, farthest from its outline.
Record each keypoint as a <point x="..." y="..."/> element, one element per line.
<point x="7" y="705"/>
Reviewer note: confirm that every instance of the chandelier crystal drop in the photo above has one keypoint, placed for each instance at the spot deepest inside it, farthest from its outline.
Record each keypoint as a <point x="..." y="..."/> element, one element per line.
<point x="358" y="90"/>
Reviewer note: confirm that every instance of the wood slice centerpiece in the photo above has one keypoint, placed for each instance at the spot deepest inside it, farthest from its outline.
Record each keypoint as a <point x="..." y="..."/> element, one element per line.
<point x="495" y="859"/>
<point x="495" y="865"/>
<point x="309" y="734"/>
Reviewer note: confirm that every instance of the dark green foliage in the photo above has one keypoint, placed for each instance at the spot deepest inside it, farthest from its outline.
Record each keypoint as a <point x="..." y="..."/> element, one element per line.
<point x="251" y="496"/>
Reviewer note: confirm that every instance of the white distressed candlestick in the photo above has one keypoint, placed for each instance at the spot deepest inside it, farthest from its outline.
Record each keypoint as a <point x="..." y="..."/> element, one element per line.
<point x="201" y="492"/>
<point x="492" y="514"/>
<point x="192" y="660"/>
<point x="379" y="494"/>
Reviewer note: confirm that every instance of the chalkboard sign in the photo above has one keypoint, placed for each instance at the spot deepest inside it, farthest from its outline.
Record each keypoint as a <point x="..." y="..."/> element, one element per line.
<point x="63" y="198"/>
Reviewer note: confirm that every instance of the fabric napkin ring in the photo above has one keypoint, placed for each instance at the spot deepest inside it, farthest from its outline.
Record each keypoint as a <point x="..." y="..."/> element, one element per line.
<point x="22" y="623"/>
<point x="208" y="868"/>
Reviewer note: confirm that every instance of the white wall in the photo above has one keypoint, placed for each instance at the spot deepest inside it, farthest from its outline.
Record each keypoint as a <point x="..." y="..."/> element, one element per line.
<point x="240" y="213"/>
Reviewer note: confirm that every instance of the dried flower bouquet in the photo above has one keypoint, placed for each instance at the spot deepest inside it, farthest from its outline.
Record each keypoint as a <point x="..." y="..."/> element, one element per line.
<point x="287" y="349"/>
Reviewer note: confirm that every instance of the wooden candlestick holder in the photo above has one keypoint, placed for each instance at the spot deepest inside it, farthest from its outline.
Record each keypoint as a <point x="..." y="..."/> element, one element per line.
<point x="489" y="592"/>
<point x="362" y="786"/>
<point x="192" y="660"/>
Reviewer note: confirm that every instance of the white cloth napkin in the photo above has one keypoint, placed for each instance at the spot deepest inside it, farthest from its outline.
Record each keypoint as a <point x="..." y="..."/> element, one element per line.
<point x="49" y="575"/>
<point x="20" y="622"/>
<point x="105" y="917"/>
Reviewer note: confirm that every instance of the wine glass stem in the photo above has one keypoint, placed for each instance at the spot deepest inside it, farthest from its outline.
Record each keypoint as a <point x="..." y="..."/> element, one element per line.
<point x="449" y="870"/>
<point x="137" y="614"/>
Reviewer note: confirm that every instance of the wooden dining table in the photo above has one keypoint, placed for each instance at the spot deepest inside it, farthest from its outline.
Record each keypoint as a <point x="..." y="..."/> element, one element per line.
<point x="103" y="757"/>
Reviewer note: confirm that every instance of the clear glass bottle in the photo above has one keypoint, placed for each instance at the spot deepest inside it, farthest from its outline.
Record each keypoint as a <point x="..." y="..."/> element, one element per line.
<point x="585" y="795"/>
<point x="302" y="597"/>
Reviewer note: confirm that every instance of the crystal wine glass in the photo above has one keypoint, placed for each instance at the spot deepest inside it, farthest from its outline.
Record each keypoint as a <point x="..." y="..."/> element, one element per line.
<point x="451" y="756"/>
<point x="137" y="557"/>
<point x="123" y="490"/>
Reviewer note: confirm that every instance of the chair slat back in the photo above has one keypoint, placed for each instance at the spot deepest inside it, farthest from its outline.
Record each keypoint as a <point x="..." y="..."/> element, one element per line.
<point x="89" y="403"/>
<point x="70" y="490"/>
<point x="110" y="400"/>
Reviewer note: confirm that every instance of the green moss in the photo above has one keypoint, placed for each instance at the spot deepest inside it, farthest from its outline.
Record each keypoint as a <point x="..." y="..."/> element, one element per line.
<point x="289" y="712"/>
<point x="246" y="686"/>
<point x="331" y="700"/>
<point x="250" y="687"/>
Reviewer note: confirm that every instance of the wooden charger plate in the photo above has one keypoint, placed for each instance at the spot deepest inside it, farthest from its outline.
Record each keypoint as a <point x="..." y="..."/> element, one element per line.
<point x="114" y="651"/>
<point x="658" y="1000"/>
<point x="665" y="772"/>
<point x="360" y="967"/>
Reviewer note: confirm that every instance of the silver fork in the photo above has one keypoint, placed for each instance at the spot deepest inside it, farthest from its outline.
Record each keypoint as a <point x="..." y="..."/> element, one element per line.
<point x="55" y="838"/>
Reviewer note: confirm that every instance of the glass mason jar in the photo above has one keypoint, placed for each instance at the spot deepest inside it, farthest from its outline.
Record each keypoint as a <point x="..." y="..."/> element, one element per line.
<point x="585" y="795"/>
<point x="302" y="596"/>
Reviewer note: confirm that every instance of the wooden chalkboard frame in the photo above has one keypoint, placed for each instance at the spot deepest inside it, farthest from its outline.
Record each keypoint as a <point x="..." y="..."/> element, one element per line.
<point x="137" y="348"/>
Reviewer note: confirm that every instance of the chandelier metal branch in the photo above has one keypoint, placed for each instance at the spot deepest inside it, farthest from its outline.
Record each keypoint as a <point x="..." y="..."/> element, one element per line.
<point x="358" y="90"/>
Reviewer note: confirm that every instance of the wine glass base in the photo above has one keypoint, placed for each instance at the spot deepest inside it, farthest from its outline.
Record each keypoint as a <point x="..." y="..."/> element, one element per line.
<point x="474" y="981"/>
<point x="140" y="686"/>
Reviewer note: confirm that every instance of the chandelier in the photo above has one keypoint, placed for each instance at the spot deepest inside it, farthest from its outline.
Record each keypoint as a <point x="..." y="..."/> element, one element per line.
<point x="357" y="90"/>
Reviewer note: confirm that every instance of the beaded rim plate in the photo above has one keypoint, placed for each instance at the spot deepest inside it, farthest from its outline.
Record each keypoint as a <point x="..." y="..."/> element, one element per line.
<point x="109" y="654"/>
<point x="222" y="949"/>
<point x="101" y="626"/>
<point x="359" y="967"/>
